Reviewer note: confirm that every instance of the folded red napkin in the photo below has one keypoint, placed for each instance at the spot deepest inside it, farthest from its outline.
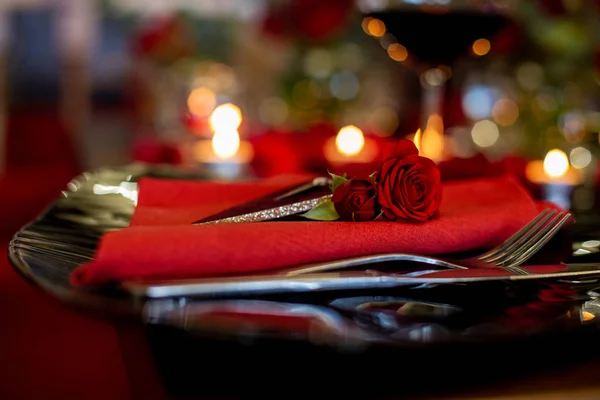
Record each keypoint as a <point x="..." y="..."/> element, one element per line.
<point x="161" y="243"/>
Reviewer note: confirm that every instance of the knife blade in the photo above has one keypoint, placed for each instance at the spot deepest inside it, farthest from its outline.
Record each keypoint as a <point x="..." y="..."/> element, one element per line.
<point x="346" y="280"/>
<point x="277" y="205"/>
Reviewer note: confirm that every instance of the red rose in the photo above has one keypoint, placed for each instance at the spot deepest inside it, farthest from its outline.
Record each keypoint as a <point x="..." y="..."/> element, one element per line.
<point x="355" y="200"/>
<point x="409" y="186"/>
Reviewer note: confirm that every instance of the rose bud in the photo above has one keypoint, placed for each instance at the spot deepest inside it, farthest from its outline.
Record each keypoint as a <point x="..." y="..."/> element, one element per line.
<point x="356" y="200"/>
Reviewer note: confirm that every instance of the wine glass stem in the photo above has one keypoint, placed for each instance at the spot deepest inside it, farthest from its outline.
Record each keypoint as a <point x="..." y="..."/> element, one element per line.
<point x="433" y="96"/>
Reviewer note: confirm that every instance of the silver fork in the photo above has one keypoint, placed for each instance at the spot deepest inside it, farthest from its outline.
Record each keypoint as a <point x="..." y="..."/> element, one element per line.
<point x="509" y="255"/>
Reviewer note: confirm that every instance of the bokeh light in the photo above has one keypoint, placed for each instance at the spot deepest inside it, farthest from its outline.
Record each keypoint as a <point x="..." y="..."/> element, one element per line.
<point x="397" y="52"/>
<point x="350" y="140"/>
<point x="201" y="101"/>
<point x="505" y="112"/>
<point x="556" y="163"/>
<point x="318" y="63"/>
<point x="376" y="27"/>
<point x="580" y="157"/>
<point x="530" y="76"/>
<point x="485" y="133"/>
<point x="481" y="47"/>
<point x="478" y="101"/>
<point x="344" y="85"/>
<point x="225" y="144"/>
<point x="226" y="117"/>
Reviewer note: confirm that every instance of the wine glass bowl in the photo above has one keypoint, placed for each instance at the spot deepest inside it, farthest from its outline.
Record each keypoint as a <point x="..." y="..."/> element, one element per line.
<point x="440" y="31"/>
<point x="429" y="36"/>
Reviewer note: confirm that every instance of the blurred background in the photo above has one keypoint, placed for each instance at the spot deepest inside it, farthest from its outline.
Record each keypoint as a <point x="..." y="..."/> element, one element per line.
<point x="232" y="89"/>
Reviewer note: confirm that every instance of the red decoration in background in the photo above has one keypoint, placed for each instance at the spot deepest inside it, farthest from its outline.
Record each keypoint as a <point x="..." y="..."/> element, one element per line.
<point x="275" y="154"/>
<point x="153" y="151"/>
<point x="164" y="39"/>
<point x="312" y="20"/>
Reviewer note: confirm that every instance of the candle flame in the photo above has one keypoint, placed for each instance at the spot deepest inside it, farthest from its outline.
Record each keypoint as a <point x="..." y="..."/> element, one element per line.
<point x="432" y="139"/>
<point x="417" y="139"/>
<point x="350" y="140"/>
<point x="226" y="117"/>
<point x="556" y="163"/>
<point x="225" y="143"/>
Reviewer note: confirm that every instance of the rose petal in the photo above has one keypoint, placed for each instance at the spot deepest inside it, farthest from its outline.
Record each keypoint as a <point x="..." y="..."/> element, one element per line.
<point x="341" y="192"/>
<point x="401" y="149"/>
<point x="343" y="212"/>
<point x="361" y="216"/>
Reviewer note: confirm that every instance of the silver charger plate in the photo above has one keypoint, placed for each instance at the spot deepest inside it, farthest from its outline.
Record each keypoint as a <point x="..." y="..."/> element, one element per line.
<point x="47" y="250"/>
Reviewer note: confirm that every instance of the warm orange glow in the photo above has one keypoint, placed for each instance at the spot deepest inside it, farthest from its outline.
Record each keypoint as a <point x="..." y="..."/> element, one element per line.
<point x="376" y="27"/>
<point x="417" y="139"/>
<point x="587" y="316"/>
<point x="204" y="151"/>
<point x="556" y="163"/>
<point x="333" y="154"/>
<point x="365" y="24"/>
<point x="432" y="138"/>
<point x="535" y="172"/>
<point x="201" y="101"/>
<point x="397" y="52"/>
<point x="225" y="144"/>
<point x="436" y="123"/>
<point x="481" y="47"/>
<point x="350" y="140"/>
<point x="226" y="117"/>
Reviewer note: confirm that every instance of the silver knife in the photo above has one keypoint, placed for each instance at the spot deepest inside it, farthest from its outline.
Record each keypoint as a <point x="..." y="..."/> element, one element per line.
<point x="345" y="280"/>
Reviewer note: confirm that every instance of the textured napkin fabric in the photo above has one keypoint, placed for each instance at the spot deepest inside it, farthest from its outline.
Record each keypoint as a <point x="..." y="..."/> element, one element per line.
<point x="161" y="243"/>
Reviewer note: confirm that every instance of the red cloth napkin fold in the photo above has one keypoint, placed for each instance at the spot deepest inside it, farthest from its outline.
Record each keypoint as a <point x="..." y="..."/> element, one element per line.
<point x="161" y="243"/>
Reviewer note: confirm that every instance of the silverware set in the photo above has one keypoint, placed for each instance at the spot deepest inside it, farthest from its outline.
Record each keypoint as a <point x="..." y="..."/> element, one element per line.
<point x="509" y="255"/>
<point x="358" y="272"/>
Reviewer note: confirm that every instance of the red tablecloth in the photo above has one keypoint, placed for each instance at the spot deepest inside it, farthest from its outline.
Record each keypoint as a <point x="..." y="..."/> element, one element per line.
<point x="46" y="350"/>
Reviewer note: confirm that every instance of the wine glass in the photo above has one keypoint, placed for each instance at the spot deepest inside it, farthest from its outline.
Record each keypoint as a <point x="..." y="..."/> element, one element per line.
<point x="429" y="36"/>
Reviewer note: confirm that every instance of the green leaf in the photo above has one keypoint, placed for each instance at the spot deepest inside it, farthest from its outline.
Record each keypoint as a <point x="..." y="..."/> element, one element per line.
<point x="322" y="212"/>
<point x="337" y="181"/>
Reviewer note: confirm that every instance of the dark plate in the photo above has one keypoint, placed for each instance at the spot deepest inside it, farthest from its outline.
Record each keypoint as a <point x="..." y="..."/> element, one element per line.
<point x="47" y="250"/>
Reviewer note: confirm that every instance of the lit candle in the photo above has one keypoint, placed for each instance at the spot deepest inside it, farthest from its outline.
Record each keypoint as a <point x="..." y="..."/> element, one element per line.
<point x="430" y="142"/>
<point x="226" y="155"/>
<point x="350" y="146"/>
<point x="556" y="177"/>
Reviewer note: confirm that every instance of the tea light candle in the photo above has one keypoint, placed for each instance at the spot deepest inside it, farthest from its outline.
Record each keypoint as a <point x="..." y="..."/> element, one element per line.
<point x="349" y="146"/>
<point x="556" y="176"/>
<point x="226" y="155"/>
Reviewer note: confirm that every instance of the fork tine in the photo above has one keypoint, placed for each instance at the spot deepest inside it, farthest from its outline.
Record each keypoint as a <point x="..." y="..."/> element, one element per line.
<point x="522" y="235"/>
<point x="518" y="248"/>
<point x="542" y="240"/>
<point x="516" y="270"/>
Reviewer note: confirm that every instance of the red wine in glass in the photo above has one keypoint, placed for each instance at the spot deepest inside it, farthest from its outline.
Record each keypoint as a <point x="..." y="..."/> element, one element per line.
<point x="439" y="37"/>
<point x="435" y="33"/>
